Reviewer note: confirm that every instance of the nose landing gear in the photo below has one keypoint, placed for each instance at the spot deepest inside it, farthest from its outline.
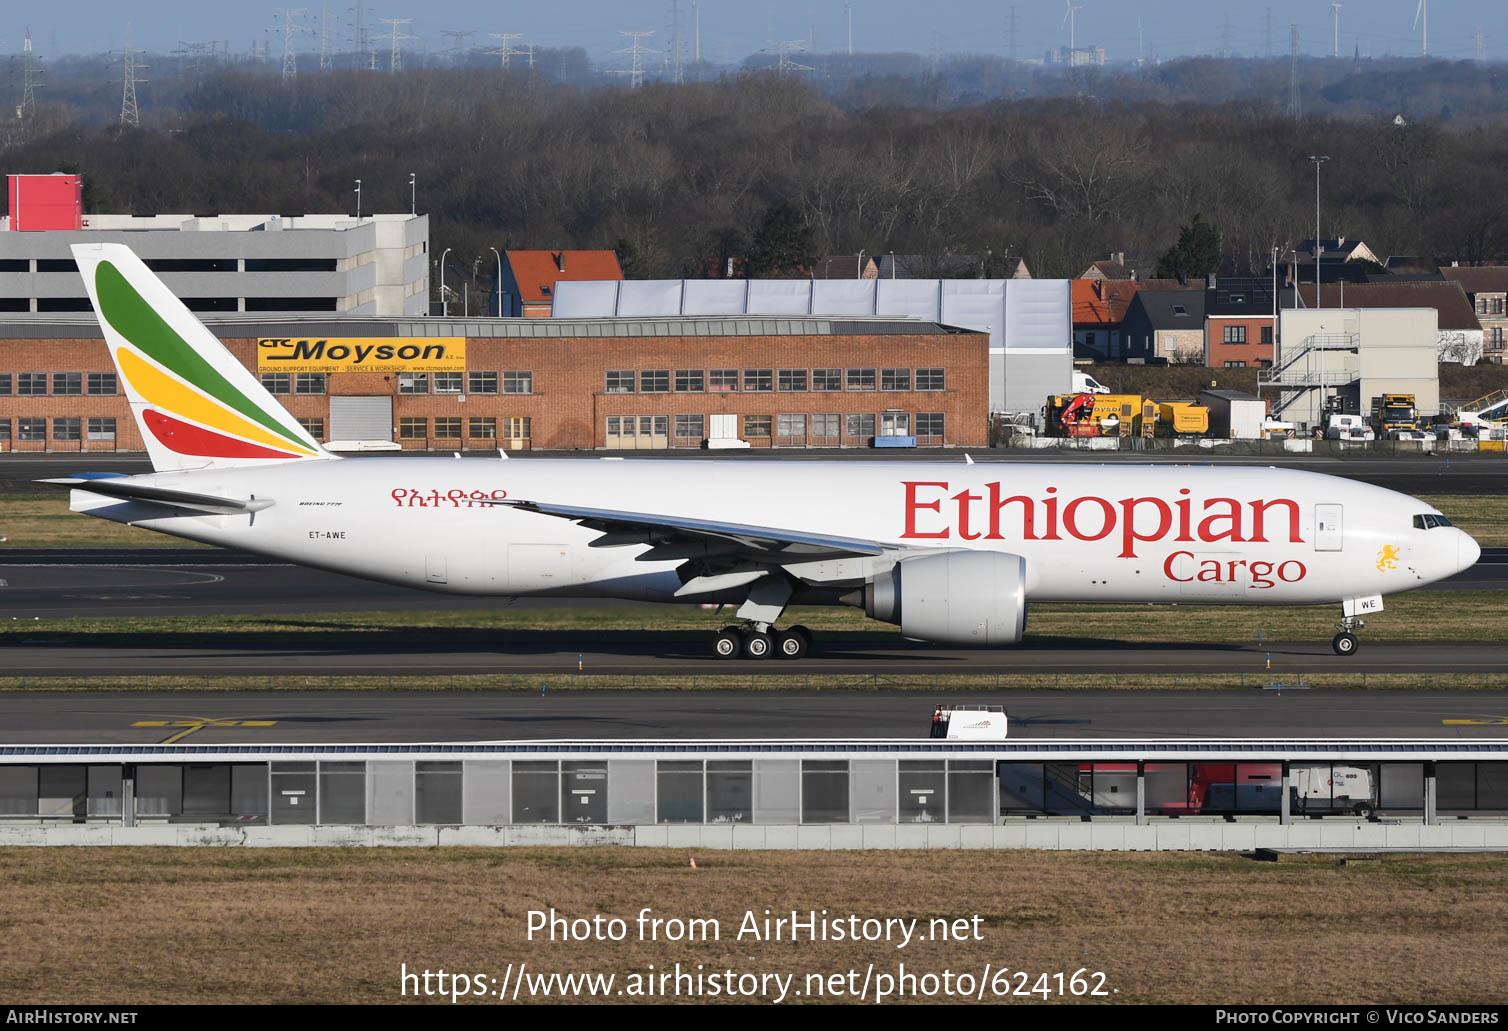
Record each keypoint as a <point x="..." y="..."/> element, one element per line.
<point x="1345" y="642"/>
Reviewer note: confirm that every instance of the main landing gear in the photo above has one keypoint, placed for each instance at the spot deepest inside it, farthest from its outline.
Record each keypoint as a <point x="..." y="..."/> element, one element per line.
<point x="760" y="641"/>
<point x="1345" y="642"/>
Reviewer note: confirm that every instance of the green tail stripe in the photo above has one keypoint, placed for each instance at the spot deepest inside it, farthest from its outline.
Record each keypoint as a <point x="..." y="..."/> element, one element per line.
<point x="139" y="323"/>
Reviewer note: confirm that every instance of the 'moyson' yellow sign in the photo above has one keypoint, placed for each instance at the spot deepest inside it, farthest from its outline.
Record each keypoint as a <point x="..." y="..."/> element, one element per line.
<point x="361" y="354"/>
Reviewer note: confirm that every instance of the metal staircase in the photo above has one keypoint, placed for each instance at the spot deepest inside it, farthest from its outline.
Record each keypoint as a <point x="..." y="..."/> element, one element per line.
<point x="1297" y="370"/>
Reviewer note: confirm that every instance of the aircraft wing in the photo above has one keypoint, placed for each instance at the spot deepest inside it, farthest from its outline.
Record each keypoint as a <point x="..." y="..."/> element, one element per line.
<point x="681" y="537"/>
<point x="122" y="488"/>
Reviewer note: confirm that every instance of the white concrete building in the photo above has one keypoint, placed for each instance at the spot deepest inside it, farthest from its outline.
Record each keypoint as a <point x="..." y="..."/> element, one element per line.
<point x="270" y="264"/>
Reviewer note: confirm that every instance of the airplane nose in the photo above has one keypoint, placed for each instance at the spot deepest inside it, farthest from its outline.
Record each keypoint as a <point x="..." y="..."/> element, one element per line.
<point x="1467" y="552"/>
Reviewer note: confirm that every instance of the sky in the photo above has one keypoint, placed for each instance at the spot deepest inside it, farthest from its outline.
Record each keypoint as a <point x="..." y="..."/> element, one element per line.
<point x="732" y="29"/>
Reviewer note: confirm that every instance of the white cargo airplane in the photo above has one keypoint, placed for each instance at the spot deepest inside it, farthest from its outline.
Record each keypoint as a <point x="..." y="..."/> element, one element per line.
<point x="952" y="552"/>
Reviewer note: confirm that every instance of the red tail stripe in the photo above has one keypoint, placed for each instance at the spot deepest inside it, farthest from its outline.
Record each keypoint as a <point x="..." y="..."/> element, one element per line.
<point x="194" y="440"/>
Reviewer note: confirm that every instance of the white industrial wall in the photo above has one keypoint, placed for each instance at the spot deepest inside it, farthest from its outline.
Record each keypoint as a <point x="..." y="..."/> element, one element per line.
<point x="1029" y="321"/>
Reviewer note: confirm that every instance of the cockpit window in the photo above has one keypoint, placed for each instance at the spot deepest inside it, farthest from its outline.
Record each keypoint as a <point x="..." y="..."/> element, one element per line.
<point x="1430" y="521"/>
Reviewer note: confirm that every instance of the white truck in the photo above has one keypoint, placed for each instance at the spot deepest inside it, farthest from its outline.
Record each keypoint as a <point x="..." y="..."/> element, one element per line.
<point x="1330" y="788"/>
<point x="1083" y="383"/>
<point x="1348" y="427"/>
<point x="969" y="722"/>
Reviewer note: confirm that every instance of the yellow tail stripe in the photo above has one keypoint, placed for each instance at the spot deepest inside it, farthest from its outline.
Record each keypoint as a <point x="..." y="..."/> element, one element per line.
<point x="161" y="390"/>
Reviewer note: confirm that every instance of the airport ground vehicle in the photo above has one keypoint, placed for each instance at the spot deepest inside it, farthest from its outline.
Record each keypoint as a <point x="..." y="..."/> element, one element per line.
<point x="1109" y="415"/>
<point x="969" y="722"/>
<point x="951" y="552"/>
<point x="1083" y="383"/>
<point x="1394" y="412"/>
<point x="1339" y="426"/>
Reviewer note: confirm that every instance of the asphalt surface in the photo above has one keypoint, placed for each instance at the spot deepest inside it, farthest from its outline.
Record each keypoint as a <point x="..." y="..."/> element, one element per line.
<point x="402" y="716"/>
<point x="52" y="652"/>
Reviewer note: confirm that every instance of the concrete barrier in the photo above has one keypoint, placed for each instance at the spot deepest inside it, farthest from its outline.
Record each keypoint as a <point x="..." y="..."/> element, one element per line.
<point x="1046" y="835"/>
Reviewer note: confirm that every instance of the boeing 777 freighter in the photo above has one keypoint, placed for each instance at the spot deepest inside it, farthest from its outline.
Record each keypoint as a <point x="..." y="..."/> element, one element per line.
<point x="951" y="552"/>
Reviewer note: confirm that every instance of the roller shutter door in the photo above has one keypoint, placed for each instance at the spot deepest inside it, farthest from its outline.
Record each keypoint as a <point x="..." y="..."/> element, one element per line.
<point x="361" y="418"/>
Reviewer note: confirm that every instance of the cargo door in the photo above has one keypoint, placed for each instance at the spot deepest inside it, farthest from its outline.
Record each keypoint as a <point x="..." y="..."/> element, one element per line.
<point x="1328" y="529"/>
<point x="434" y="569"/>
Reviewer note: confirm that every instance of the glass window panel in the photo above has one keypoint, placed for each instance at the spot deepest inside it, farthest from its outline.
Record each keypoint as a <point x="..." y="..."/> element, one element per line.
<point x="730" y="791"/>
<point x="584" y="790"/>
<point x="1020" y="787"/>
<point x="1167" y="787"/>
<point x="343" y="792"/>
<point x="923" y="785"/>
<point x="1456" y="786"/>
<point x="824" y="791"/>
<point x="678" y="787"/>
<point x="971" y="791"/>
<point x="536" y="792"/>
<point x="437" y="792"/>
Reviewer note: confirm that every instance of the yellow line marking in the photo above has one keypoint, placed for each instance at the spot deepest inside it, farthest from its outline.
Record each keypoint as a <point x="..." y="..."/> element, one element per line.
<point x="1490" y="721"/>
<point x="191" y="724"/>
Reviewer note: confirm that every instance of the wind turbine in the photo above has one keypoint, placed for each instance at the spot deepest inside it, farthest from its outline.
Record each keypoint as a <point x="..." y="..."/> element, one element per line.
<point x="1421" y="14"/>
<point x="1336" y="8"/>
<point x="1070" y="20"/>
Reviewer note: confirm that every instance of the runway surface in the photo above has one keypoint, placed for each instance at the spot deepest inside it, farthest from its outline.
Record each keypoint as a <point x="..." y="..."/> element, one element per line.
<point x="362" y="652"/>
<point x="401" y="716"/>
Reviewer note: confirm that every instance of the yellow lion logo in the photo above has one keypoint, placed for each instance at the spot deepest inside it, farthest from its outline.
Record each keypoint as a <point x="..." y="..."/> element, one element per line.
<point x="1387" y="558"/>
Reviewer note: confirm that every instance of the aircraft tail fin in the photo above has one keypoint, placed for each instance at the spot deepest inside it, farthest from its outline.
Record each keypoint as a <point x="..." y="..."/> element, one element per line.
<point x="196" y="405"/>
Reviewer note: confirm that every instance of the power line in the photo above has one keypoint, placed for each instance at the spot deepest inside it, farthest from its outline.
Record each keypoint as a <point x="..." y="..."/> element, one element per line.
<point x="288" y="22"/>
<point x="508" y="50"/>
<point x="457" y="50"/>
<point x="395" y="58"/>
<point x="637" y="50"/>
<point x="31" y="75"/>
<point x="129" y="113"/>
<point x="675" y="42"/>
<point x="1293" y="71"/>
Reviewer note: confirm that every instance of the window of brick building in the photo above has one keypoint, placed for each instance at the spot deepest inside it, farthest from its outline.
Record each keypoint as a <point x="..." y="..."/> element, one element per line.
<point x="757" y="425"/>
<point x="860" y="379"/>
<point x="101" y="383"/>
<point x="827" y="379"/>
<point x="758" y="380"/>
<point x="448" y="427"/>
<point x="481" y="383"/>
<point x="895" y="379"/>
<point x="689" y="381"/>
<point x="67" y="383"/>
<point x="792" y="380"/>
<point x="410" y="428"/>
<point x="482" y="428"/>
<point x="518" y="382"/>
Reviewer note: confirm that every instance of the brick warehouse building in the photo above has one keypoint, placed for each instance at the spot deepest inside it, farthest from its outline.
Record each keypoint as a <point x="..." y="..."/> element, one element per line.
<point x="559" y="384"/>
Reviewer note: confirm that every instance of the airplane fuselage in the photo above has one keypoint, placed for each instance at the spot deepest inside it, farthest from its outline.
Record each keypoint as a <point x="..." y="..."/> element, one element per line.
<point x="1110" y="533"/>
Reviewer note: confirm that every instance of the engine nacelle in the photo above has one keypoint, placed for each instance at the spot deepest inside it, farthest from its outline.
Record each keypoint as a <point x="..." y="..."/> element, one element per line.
<point x="975" y="598"/>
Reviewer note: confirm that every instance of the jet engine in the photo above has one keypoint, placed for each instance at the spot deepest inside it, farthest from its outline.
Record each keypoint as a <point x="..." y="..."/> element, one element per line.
<point x="974" y="598"/>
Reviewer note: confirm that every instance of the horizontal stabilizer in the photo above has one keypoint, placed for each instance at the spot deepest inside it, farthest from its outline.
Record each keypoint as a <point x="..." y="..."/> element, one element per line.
<point x="124" y="489"/>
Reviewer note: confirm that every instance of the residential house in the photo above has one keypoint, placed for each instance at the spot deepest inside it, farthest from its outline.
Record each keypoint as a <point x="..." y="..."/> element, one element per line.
<point x="1487" y="289"/>
<point x="1118" y="266"/>
<point x="846" y="266"/>
<point x="1099" y="306"/>
<point x="1165" y="326"/>
<point x="529" y="277"/>
<point x="1238" y="316"/>
<point x="1458" y="334"/>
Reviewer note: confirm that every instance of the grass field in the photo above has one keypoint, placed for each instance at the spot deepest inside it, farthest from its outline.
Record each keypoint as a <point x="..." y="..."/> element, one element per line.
<point x="123" y="926"/>
<point x="43" y="521"/>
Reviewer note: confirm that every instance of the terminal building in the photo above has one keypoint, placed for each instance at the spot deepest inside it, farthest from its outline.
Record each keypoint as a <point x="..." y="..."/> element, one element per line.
<point x="520" y="383"/>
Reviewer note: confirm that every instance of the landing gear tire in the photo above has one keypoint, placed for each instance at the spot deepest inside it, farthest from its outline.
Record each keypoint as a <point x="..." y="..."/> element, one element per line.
<point x="793" y="643"/>
<point x="728" y="644"/>
<point x="804" y="634"/>
<point x="1345" y="643"/>
<point x="758" y="645"/>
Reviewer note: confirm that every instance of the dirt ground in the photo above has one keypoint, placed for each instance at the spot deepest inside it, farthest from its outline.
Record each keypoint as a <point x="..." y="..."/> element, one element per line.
<point x="83" y="925"/>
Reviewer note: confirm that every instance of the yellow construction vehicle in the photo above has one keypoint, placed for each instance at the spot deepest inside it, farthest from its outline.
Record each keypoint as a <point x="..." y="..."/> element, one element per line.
<point x="1182" y="418"/>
